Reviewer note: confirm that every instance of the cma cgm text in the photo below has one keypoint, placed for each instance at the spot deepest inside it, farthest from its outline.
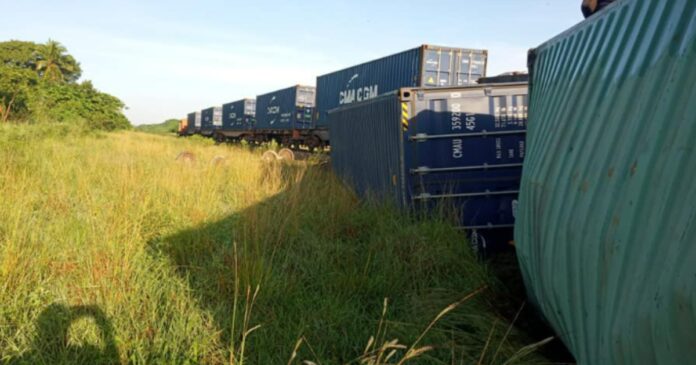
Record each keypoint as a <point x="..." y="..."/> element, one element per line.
<point x="359" y="94"/>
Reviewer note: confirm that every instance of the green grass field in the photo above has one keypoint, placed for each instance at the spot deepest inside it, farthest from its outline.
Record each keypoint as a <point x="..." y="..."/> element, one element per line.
<point x="114" y="251"/>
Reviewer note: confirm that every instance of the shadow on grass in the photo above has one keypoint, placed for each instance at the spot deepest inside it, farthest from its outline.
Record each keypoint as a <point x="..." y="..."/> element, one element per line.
<point x="324" y="264"/>
<point x="246" y="249"/>
<point x="51" y="345"/>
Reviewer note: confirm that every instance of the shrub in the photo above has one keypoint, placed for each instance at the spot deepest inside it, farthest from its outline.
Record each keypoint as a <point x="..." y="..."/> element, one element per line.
<point x="78" y="102"/>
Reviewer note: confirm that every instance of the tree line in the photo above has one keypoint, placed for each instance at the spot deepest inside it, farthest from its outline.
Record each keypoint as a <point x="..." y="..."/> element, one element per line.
<point x="39" y="83"/>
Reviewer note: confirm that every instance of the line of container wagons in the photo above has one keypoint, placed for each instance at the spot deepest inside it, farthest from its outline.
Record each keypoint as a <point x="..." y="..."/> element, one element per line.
<point x="416" y="127"/>
<point x="299" y="114"/>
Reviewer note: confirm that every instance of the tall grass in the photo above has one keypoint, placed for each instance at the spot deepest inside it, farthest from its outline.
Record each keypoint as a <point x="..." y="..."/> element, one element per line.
<point x="113" y="251"/>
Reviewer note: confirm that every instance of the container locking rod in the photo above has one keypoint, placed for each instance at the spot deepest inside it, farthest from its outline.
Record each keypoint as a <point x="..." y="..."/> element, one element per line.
<point x="426" y="170"/>
<point x="420" y="137"/>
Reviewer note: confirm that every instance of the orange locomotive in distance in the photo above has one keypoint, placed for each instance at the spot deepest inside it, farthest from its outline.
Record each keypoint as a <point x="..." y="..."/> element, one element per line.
<point x="183" y="126"/>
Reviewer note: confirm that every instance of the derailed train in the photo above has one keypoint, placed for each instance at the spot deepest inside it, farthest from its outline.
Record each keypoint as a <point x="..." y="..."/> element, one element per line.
<point x="456" y="140"/>
<point x="606" y="221"/>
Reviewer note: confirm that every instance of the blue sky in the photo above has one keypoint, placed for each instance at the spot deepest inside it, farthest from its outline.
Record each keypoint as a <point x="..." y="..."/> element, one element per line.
<point x="165" y="59"/>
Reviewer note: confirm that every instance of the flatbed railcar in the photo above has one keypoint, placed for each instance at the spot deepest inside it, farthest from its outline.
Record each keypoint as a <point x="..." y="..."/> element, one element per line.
<point x="283" y="116"/>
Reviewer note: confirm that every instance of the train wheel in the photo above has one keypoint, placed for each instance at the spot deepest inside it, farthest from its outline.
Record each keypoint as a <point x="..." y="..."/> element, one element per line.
<point x="270" y="156"/>
<point x="313" y="143"/>
<point x="286" y="154"/>
<point x="220" y="138"/>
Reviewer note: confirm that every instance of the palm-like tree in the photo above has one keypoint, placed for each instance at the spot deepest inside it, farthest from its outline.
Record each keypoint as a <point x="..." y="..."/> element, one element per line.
<point x="54" y="64"/>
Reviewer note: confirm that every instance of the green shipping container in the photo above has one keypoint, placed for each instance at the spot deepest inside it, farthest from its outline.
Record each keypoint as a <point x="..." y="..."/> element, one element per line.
<point x="606" y="226"/>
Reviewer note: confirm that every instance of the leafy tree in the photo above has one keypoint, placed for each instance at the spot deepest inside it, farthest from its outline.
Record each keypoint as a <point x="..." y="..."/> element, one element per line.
<point x="55" y="65"/>
<point x="49" y="60"/>
<point x="20" y="54"/>
<point x="62" y="102"/>
<point x="16" y="87"/>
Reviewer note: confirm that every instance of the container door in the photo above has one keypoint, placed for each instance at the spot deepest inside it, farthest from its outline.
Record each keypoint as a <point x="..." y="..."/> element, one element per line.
<point x="217" y="117"/>
<point x="438" y="67"/>
<point x="250" y="107"/>
<point x="249" y="120"/>
<point x="464" y="152"/>
<point x="452" y="67"/>
<point x="303" y="117"/>
<point x="470" y="66"/>
<point x="305" y="107"/>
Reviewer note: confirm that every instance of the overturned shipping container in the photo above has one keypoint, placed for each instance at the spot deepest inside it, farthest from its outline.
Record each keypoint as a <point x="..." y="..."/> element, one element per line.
<point x="606" y="230"/>
<point x="460" y="149"/>
<point x="424" y="66"/>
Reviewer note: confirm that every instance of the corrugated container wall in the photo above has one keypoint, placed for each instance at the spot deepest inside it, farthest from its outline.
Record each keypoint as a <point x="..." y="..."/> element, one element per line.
<point x="606" y="234"/>
<point x="424" y="66"/>
<point x="286" y="109"/>
<point x="239" y="115"/>
<point x="459" y="149"/>
<point x="367" y="146"/>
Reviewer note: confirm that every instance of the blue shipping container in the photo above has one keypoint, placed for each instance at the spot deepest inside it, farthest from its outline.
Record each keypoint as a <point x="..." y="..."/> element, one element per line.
<point x="211" y="119"/>
<point x="191" y="126"/>
<point x="239" y="115"/>
<point x="425" y="66"/>
<point x="286" y="109"/>
<point x="453" y="148"/>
